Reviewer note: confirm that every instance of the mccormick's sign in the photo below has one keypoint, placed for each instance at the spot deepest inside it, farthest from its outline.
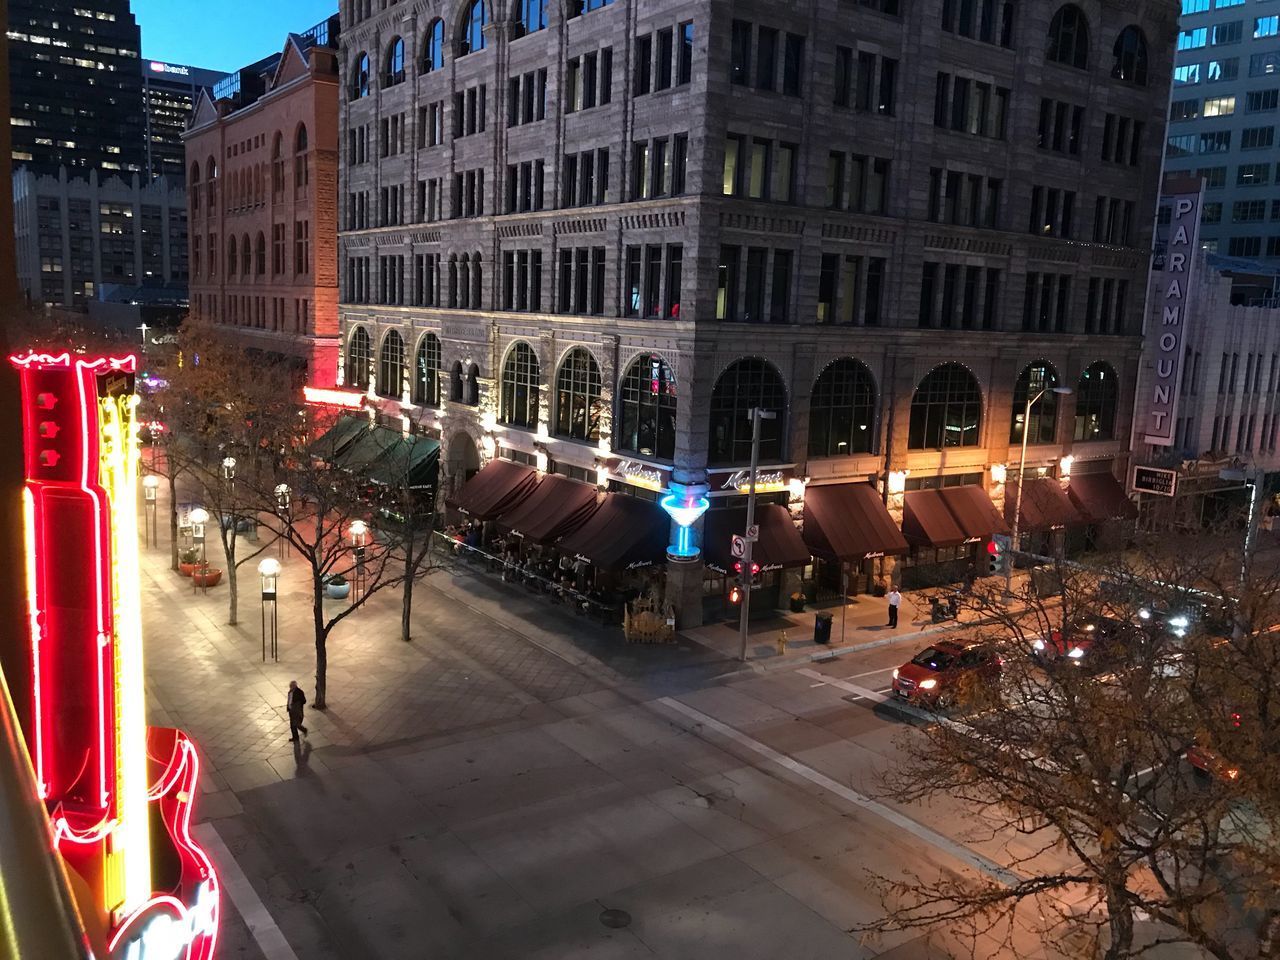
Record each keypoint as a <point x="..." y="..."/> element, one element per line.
<point x="1164" y="341"/>
<point x="639" y="474"/>
<point x="767" y="481"/>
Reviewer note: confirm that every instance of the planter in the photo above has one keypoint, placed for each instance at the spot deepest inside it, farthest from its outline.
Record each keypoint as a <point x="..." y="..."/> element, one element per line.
<point x="797" y="606"/>
<point x="187" y="569"/>
<point x="210" y="577"/>
<point x="337" y="591"/>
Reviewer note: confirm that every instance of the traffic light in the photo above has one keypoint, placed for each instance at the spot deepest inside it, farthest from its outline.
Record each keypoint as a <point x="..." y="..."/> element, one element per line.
<point x="755" y="572"/>
<point x="735" y="594"/>
<point x="995" y="558"/>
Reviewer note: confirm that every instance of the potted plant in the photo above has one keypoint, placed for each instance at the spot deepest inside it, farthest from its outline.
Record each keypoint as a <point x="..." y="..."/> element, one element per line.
<point x="204" y="575"/>
<point x="336" y="587"/>
<point x="797" y="602"/>
<point x="188" y="560"/>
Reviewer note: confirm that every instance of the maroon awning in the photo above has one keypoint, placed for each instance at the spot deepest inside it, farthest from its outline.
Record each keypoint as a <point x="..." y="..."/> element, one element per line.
<point x="1045" y="505"/>
<point x="926" y="521"/>
<point x="780" y="544"/>
<point x="1099" y="496"/>
<point x="849" y="522"/>
<point x="499" y="487"/>
<point x="974" y="512"/>
<point x="624" y="533"/>
<point x="557" y="506"/>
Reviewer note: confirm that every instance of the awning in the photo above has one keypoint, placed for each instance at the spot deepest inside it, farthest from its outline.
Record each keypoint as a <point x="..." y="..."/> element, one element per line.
<point x="974" y="512"/>
<point x="926" y="521"/>
<point x="556" y="507"/>
<point x="1099" y="496"/>
<point x="412" y="463"/>
<point x="623" y="534"/>
<point x="338" y="437"/>
<point x="373" y="444"/>
<point x="849" y="522"/>
<point x="497" y="488"/>
<point x="1045" y="505"/>
<point x="780" y="544"/>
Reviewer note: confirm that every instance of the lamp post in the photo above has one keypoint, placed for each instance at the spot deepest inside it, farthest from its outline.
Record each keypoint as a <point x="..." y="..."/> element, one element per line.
<point x="756" y="415"/>
<point x="150" y="488"/>
<point x="199" y="517"/>
<point x="1032" y="399"/>
<point x="358" y="530"/>
<point x="284" y="506"/>
<point x="269" y="570"/>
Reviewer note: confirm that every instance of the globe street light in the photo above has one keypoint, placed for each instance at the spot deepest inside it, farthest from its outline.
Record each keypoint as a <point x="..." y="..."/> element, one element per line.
<point x="1032" y="399"/>
<point x="199" y="517"/>
<point x="150" y="488"/>
<point x="284" y="509"/>
<point x="269" y="570"/>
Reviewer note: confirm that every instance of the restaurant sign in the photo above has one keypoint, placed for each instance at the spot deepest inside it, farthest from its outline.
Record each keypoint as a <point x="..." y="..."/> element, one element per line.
<point x="739" y="481"/>
<point x="1164" y="340"/>
<point x="639" y="474"/>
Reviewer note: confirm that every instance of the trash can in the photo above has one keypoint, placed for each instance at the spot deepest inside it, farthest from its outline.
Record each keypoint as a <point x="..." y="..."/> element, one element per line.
<point x="822" y="628"/>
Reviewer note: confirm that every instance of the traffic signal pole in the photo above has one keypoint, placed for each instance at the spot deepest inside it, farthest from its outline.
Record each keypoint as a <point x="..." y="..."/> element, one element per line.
<point x="744" y="575"/>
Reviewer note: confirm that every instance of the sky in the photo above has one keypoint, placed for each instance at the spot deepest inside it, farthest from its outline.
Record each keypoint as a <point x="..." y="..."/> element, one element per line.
<point x="224" y="35"/>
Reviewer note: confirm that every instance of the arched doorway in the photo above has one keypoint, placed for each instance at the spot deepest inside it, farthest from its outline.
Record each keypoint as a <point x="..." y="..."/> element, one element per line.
<point x="463" y="460"/>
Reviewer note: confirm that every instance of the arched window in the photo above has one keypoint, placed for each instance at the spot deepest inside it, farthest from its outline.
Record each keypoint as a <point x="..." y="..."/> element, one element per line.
<point x="300" y="139"/>
<point x="394" y="72"/>
<point x="359" y="352"/>
<point x="301" y="160"/>
<point x="211" y="185"/>
<point x="578" y="396"/>
<point x="195" y="185"/>
<point x="453" y="282"/>
<point x="521" y="377"/>
<point x="260" y="255"/>
<point x="647" y="408"/>
<point x="433" y="51"/>
<point x="946" y="410"/>
<point x="1129" y="61"/>
<point x="277" y="163"/>
<point x="464" y="281"/>
<point x="231" y="256"/>
<point x="1069" y="37"/>
<point x="477" y="281"/>
<point x="532" y="16"/>
<point x="1096" y="403"/>
<point x="455" y="382"/>
<point x="471" y="388"/>
<point x="360" y="77"/>
<point x="391" y="366"/>
<point x="1036" y="378"/>
<point x="842" y="411"/>
<point x="426" y="372"/>
<point x="472" y="37"/>
<point x="246" y="257"/>
<point x="750" y="382"/>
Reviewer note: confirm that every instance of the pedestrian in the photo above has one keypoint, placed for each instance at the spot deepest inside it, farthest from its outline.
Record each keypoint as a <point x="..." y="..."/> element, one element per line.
<point x="297" y="700"/>
<point x="895" y="598"/>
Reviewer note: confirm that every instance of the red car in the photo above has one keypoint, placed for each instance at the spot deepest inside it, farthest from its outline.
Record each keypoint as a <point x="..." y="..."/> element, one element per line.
<point x="1082" y="643"/>
<point x="940" y="674"/>
<point x="1209" y="762"/>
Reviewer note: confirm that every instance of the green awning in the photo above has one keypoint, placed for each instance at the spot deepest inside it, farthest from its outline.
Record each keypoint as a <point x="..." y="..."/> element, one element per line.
<point x="411" y="462"/>
<point x="331" y="444"/>
<point x="368" y="447"/>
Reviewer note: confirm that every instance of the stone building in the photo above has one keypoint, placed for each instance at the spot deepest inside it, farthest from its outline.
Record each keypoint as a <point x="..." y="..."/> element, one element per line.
<point x="590" y="235"/>
<point x="262" y="170"/>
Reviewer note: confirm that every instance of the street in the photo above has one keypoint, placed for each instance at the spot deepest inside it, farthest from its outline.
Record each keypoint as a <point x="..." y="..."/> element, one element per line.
<point x="497" y="785"/>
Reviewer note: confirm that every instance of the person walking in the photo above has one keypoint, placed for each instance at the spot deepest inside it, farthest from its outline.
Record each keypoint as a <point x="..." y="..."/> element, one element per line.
<point x="895" y="599"/>
<point x="297" y="701"/>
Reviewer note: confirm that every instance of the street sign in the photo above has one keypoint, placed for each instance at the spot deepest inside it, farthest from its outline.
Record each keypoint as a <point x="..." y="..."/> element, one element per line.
<point x="753" y="532"/>
<point x="738" y="546"/>
<point x="1156" y="480"/>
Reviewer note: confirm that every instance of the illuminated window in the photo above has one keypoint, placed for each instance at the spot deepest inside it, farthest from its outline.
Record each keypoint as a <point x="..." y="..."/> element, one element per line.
<point x="746" y="383"/>
<point x="647" y="409"/>
<point x="521" y="378"/>
<point x="578" y="404"/>
<point x="946" y="410"/>
<point x="1044" y="412"/>
<point x="1096" y="396"/>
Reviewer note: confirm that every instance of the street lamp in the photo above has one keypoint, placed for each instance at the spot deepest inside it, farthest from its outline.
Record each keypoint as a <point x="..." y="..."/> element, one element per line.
<point x="228" y="468"/>
<point x="269" y="570"/>
<point x="199" y="517"/>
<point x="358" y="530"/>
<point x="756" y="415"/>
<point x="1032" y="399"/>
<point x="1252" y="480"/>
<point x="150" y="488"/>
<point x="284" y="508"/>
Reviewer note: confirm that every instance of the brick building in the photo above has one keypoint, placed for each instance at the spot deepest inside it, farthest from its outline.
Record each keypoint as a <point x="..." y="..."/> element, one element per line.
<point x="262" y="171"/>
<point x="589" y="236"/>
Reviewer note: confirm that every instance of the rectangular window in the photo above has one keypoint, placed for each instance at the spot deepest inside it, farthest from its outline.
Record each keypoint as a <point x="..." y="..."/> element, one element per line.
<point x="1257" y="138"/>
<point x="1219" y="106"/>
<point x="679" y="160"/>
<point x="665" y="59"/>
<point x="1193" y="39"/>
<point x="1222" y="70"/>
<point x="733" y="160"/>
<point x="757" y="260"/>
<point x="784" y="172"/>
<point x="1225" y="33"/>
<point x="1217" y="141"/>
<point x="766" y="57"/>
<point x="835" y="181"/>
<point x="865" y="92"/>
<point x="684" y="53"/>
<point x="1266" y="26"/>
<point x="758" y="175"/>
<point x="780" y="289"/>
<point x="1186" y="75"/>
<point x="606" y="75"/>
<point x="843" y="77"/>
<point x="642" y="81"/>
<point x="1253" y="174"/>
<point x="1261" y="101"/>
<point x="793" y="65"/>
<point x="740" y="53"/>
<point x="727" y="283"/>
<point x="1182" y="110"/>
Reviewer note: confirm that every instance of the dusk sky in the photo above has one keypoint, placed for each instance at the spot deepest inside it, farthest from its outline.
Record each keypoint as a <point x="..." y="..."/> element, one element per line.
<point x="225" y="36"/>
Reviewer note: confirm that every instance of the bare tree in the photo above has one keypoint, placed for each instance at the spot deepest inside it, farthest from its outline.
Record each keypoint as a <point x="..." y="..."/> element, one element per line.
<point x="1083" y="766"/>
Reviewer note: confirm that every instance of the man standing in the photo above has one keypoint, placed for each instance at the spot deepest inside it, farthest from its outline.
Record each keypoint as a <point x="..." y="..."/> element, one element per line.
<point x="895" y="598"/>
<point x="297" y="700"/>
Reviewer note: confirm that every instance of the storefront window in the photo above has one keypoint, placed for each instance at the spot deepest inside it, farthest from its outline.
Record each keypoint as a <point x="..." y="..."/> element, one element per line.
<point x="520" y="379"/>
<point x="842" y="410"/>
<point x="946" y="410"/>
<point x="1036" y="378"/>
<point x="578" y="396"/>
<point x="647" y="408"/>
<point x="750" y="382"/>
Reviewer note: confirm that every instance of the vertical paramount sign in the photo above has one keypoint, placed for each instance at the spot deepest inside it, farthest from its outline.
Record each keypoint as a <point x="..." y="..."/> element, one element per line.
<point x="1164" y="340"/>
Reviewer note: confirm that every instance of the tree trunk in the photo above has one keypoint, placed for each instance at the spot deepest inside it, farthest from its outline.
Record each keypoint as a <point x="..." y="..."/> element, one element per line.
<point x="1119" y="922"/>
<point x="173" y="517"/>
<point x="406" y="607"/>
<point x="229" y="548"/>
<point x="322" y="635"/>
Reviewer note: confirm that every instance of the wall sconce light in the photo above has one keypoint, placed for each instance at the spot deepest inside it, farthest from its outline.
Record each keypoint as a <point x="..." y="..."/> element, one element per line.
<point x="999" y="472"/>
<point x="543" y="460"/>
<point x="795" y="488"/>
<point x="1065" y="464"/>
<point x="488" y="445"/>
<point x="488" y="421"/>
<point x="898" y="480"/>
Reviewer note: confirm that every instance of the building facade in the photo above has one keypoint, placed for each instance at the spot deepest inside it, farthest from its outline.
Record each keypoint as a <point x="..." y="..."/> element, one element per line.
<point x="169" y="93"/>
<point x="592" y="235"/>
<point x="75" y="86"/>
<point x="262" y="171"/>
<point x="77" y="235"/>
<point x="1222" y="123"/>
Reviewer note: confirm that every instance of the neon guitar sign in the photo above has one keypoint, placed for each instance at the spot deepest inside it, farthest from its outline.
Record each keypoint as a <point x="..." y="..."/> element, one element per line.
<point x="119" y="793"/>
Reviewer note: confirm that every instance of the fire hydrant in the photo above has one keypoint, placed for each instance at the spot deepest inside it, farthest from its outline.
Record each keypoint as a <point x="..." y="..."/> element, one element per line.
<point x="782" y="644"/>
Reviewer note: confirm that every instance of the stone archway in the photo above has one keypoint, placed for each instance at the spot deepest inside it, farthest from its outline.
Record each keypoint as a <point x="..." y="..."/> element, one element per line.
<point x="463" y="460"/>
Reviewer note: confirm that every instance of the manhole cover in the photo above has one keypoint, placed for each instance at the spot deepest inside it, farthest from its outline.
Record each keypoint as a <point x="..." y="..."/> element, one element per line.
<point x="615" y="918"/>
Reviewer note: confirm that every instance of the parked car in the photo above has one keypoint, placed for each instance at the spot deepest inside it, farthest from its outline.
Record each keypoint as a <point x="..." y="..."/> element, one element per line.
<point x="1209" y="762"/>
<point x="946" y="672"/>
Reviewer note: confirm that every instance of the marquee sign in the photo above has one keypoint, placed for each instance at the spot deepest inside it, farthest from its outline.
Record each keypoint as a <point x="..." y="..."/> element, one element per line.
<point x="1164" y="341"/>
<point x="102" y="773"/>
<point x="1158" y="480"/>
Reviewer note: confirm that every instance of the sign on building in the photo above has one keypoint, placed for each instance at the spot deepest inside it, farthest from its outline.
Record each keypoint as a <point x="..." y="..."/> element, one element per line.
<point x="1166" y="334"/>
<point x="1155" y="480"/>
